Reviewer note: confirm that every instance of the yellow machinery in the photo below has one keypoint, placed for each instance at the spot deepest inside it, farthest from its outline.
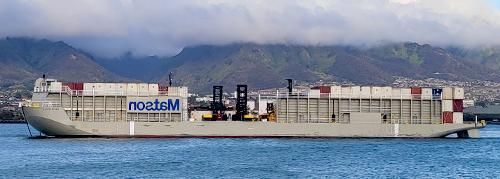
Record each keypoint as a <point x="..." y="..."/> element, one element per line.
<point x="206" y="117"/>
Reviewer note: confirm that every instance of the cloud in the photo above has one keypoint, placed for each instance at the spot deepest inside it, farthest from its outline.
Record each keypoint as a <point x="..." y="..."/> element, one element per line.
<point x="109" y="27"/>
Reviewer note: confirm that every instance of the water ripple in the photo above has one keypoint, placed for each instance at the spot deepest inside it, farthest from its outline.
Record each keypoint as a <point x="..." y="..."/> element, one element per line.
<point x="248" y="158"/>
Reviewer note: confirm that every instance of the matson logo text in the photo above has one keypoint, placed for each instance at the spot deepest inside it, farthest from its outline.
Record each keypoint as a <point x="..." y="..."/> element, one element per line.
<point x="153" y="105"/>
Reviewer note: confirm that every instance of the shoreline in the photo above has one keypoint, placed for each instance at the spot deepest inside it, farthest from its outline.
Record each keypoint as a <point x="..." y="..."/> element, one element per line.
<point x="12" y="122"/>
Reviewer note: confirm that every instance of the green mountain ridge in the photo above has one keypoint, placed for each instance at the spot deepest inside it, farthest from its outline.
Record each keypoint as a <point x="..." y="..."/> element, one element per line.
<point x="24" y="59"/>
<point x="258" y="65"/>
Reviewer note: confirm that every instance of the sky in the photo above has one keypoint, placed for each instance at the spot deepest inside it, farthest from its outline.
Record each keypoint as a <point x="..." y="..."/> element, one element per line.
<point x="164" y="27"/>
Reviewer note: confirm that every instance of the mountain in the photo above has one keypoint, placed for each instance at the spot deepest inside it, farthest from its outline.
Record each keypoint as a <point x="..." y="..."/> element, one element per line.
<point x="264" y="66"/>
<point x="25" y="59"/>
<point x="258" y="65"/>
<point x="146" y="69"/>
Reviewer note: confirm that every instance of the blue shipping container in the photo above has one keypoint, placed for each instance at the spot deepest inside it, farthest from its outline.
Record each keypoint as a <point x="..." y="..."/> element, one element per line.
<point x="436" y="93"/>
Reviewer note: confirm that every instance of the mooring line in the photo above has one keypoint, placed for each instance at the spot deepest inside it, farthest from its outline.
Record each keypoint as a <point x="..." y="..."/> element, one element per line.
<point x="24" y="116"/>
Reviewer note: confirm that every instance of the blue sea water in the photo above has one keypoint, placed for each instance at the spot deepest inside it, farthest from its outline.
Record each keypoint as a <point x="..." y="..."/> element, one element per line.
<point x="21" y="157"/>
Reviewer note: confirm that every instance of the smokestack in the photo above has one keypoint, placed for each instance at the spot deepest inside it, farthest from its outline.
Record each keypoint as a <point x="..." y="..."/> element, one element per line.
<point x="290" y="86"/>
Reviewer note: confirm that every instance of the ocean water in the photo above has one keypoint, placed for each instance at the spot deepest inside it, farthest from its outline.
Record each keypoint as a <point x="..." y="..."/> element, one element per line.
<point x="21" y="157"/>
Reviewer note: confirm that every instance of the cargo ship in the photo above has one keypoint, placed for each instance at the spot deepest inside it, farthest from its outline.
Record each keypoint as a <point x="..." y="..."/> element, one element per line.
<point x="63" y="109"/>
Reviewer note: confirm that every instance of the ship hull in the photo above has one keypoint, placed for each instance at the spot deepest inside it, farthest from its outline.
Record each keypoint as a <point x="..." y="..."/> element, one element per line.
<point x="56" y="123"/>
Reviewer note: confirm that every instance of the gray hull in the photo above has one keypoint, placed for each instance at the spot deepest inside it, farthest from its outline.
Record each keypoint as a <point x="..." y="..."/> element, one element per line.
<point x="56" y="123"/>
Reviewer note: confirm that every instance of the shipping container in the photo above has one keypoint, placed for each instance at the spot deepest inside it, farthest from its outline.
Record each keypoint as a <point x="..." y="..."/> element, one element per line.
<point x="183" y="91"/>
<point x="121" y="88"/>
<point x="346" y="91"/>
<point x="143" y="89"/>
<point x="110" y="88"/>
<point x="387" y="91"/>
<point x="416" y="90"/>
<point x="153" y="89"/>
<point x="396" y="93"/>
<point x="314" y="93"/>
<point x="355" y="91"/>
<point x="376" y="92"/>
<point x="416" y="93"/>
<point x="324" y="89"/>
<point x="447" y="105"/>
<point x="426" y="93"/>
<point x="447" y="93"/>
<point x="88" y="89"/>
<point x="436" y="93"/>
<point x="55" y="86"/>
<point x="365" y="92"/>
<point x="406" y="93"/>
<point x="162" y="89"/>
<point x="458" y="93"/>
<point x="132" y="89"/>
<point x="458" y="105"/>
<point x="99" y="89"/>
<point x="448" y="117"/>
<point x="74" y="86"/>
<point x="335" y="91"/>
<point x="458" y="117"/>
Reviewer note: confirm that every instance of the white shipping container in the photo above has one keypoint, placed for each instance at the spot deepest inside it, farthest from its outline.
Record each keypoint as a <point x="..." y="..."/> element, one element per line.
<point x="447" y="105"/>
<point x="183" y="91"/>
<point x="355" y="91"/>
<point x="110" y="88"/>
<point x="387" y="92"/>
<point x="458" y="118"/>
<point x="99" y="89"/>
<point x="406" y="93"/>
<point x="447" y="93"/>
<point x="346" y="91"/>
<point x="458" y="93"/>
<point x="132" y="89"/>
<point x="376" y="92"/>
<point x="426" y="93"/>
<point x="314" y="93"/>
<point x="55" y="86"/>
<point x="143" y="89"/>
<point x="121" y="88"/>
<point x="88" y="89"/>
<point x="263" y="105"/>
<point x="365" y="92"/>
<point x="335" y="91"/>
<point x="396" y="93"/>
<point x="153" y="89"/>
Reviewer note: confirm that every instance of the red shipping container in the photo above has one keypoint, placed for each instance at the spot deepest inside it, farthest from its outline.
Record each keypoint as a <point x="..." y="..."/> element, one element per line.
<point x="416" y="90"/>
<point x="74" y="86"/>
<point x="163" y="88"/>
<point x="447" y="117"/>
<point x="458" y="105"/>
<point x="324" y="89"/>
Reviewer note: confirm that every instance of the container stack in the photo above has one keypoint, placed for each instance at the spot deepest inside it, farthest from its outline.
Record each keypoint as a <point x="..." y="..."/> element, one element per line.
<point x="452" y="105"/>
<point x="447" y="105"/>
<point x="128" y="89"/>
<point x="458" y="105"/>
